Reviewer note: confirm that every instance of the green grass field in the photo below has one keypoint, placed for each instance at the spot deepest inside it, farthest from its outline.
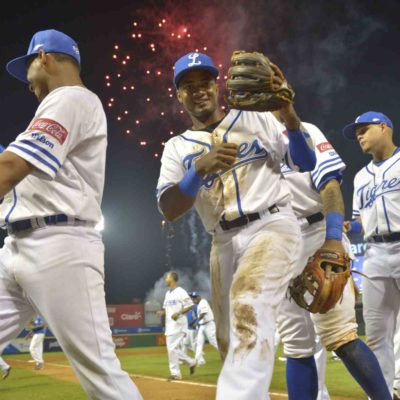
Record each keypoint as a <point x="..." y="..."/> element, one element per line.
<point x="27" y="384"/>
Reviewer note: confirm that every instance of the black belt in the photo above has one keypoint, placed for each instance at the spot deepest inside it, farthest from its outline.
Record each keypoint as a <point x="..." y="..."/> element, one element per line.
<point x="245" y="219"/>
<point x="312" y="219"/>
<point x="389" y="237"/>
<point x="40" y="222"/>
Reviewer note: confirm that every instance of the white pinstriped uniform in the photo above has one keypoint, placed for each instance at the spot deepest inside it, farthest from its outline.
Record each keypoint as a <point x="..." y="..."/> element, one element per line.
<point x="376" y="200"/>
<point x="58" y="270"/>
<point x="175" y="331"/>
<point x="296" y="325"/>
<point x="262" y="252"/>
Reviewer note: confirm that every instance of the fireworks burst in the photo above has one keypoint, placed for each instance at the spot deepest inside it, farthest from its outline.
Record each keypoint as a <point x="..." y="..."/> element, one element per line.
<point x="141" y="92"/>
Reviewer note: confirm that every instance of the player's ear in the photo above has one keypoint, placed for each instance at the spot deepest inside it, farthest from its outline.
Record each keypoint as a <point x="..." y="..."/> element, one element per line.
<point x="43" y="57"/>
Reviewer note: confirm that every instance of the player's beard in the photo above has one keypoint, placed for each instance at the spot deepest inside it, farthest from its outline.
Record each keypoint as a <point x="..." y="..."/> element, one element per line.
<point x="203" y="112"/>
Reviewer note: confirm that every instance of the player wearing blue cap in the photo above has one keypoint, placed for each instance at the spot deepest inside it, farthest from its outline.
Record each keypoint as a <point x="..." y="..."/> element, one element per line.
<point x="227" y="165"/>
<point x="38" y="331"/>
<point x="207" y="329"/>
<point x="376" y="212"/>
<point x="52" y="179"/>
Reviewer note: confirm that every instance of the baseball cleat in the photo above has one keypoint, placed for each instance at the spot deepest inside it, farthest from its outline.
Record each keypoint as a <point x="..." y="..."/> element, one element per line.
<point x="192" y="369"/>
<point x="174" y="378"/>
<point x="38" y="365"/>
<point x="6" y="372"/>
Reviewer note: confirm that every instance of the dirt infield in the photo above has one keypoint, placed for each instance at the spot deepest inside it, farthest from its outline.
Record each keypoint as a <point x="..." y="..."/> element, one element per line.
<point x="152" y="388"/>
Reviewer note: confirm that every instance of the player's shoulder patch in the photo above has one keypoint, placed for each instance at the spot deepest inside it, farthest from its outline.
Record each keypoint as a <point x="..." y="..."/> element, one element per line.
<point x="324" y="146"/>
<point x="50" y="127"/>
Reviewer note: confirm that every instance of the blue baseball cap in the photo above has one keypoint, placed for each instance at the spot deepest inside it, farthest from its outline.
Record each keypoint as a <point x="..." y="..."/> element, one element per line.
<point x="370" y="117"/>
<point x="195" y="294"/>
<point x="193" y="61"/>
<point x="50" y="41"/>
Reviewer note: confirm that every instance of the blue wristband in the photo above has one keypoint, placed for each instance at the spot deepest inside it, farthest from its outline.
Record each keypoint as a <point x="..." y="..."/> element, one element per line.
<point x="191" y="183"/>
<point x="356" y="227"/>
<point x="334" y="226"/>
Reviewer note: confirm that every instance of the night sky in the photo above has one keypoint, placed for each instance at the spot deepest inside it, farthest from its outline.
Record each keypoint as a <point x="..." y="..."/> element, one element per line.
<point x="341" y="57"/>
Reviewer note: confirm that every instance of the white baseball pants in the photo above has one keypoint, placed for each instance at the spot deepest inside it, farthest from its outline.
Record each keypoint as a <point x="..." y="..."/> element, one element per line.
<point x="36" y="347"/>
<point x="58" y="272"/>
<point x="206" y="332"/>
<point x="250" y="271"/>
<point x="176" y="353"/>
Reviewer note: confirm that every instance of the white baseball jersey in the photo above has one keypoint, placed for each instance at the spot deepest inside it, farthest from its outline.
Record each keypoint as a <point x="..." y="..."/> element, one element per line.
<point x="376" y="196"/>
<point x="66" y="142"/>
<point x="175" y="301"/>
<point x="305" y="186"/>
<point x="204" y="308"/>
<point x="253" y="184"/>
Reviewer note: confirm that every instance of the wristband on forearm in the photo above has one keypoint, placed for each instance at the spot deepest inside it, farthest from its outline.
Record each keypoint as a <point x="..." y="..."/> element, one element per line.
<point x="191" y="182"/>
<point x="334" y="226"/>
<point x="356" y="226"/>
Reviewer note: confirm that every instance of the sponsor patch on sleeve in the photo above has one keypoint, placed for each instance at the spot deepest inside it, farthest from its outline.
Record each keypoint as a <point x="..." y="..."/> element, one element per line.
<point x="325" y="146"/>
<point x="51" y="128"/>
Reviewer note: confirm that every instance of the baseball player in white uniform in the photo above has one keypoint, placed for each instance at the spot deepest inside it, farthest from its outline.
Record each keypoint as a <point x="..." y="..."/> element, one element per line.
<point x="36" y="345"/>
<point x="376" y="211"/>
<point x="52" y="179"/>
<point x="228" y="167"/>
<point x="318" y="204"/>
<point x="207" y="329"/>
<point x="176" y="304"/>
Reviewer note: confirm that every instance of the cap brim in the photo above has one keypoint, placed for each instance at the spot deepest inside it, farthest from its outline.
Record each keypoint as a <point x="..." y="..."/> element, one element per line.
<point x="349" y="131"/>
<point x="213" y="71"/>
<point x="17" y="68"/>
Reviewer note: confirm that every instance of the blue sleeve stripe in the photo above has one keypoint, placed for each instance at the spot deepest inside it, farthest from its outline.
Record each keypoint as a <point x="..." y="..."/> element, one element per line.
<point x="37" y="157"/>
<point x="317" y="177"/>
<point x="331" y="160"/>
<point x="44" y="151"/>
<point x="335" y="174"/>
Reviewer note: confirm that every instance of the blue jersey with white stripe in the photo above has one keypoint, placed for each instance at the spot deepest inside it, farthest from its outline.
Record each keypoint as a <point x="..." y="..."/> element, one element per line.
<point x="66" y="143"/>
<point x="376" y="196"/>
<point x="192" y="317"/>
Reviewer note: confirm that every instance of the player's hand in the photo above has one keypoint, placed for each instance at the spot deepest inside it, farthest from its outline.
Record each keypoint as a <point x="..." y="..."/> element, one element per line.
<point x="175" y="316"/>
<point x="160" y="313"/>
<point x="289" y="117"/>
<point x="346" y="226"/>
<point x="220" y="158"/>
<point x="336" y="245"/>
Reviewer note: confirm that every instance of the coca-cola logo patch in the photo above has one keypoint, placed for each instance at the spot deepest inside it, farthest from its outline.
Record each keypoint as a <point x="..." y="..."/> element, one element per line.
<point x="324" y="147"/>
<point x="50" y="127"/>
